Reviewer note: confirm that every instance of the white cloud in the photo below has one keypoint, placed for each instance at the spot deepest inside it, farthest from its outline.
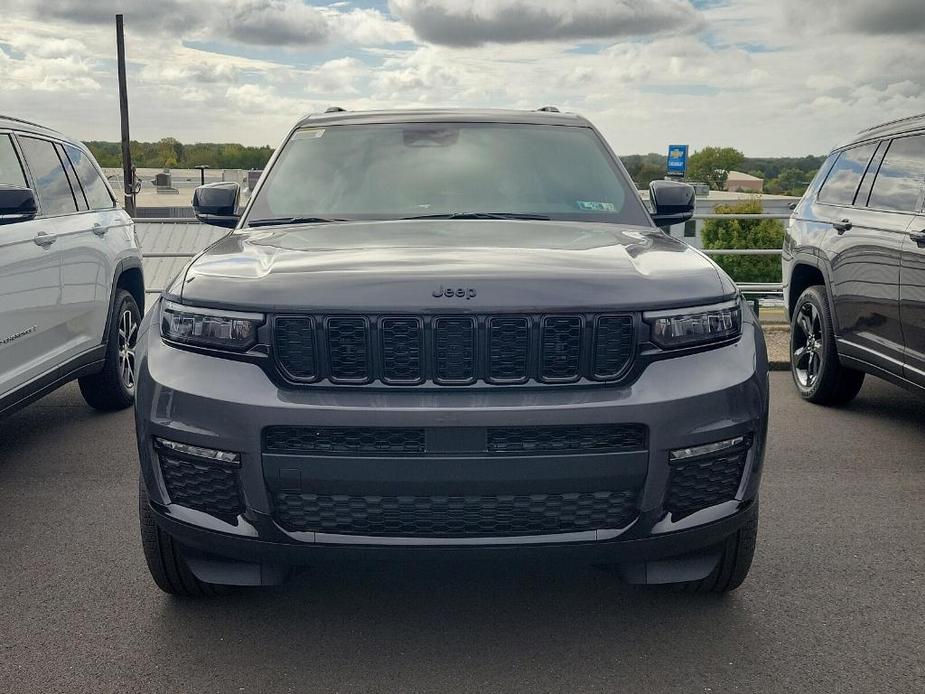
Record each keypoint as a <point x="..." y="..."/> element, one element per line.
<point x="884" y="17"/>
<point x="749" y="80"/>
<point x="48" y="74"/>
<point x="274" y="23"/>
<point x="476" y="22"/>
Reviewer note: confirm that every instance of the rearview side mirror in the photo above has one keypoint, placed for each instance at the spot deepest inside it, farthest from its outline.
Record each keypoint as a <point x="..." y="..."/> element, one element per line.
<point x="672" y="202"/>
<point x="217" y="204"/>
<point x="17" y="204"/>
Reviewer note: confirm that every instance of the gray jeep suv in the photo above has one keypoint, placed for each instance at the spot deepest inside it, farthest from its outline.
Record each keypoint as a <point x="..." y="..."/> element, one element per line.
<point x="854" y="266"/>
<point x="449" y="331"/>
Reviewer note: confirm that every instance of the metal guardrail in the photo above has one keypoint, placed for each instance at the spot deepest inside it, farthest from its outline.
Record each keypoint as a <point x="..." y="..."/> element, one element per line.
<point x="755" y="288"/>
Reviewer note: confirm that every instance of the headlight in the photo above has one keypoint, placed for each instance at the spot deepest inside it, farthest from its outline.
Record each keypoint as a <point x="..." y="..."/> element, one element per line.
<point x="690" y="327"/>
<point x="213" y="328"/>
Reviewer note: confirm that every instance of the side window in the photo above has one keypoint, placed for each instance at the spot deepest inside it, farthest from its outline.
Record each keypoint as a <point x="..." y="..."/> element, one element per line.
<point x="71" y="179"/>
<point x="842" y="183"/>
<point x="10" y="169"/>
<point x="690" y="229"/>
<point x="901" y="178"/>
<point x="93" y="186"/>
<point x="51" y="184"/>
<point x="860" y="200"/>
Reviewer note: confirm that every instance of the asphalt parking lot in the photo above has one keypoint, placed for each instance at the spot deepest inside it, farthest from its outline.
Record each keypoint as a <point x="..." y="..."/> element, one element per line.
<point x="835" y="601"/>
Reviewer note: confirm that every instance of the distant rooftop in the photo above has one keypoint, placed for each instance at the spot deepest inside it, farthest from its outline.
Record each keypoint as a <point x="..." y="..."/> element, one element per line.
<point x="740" y="176"/>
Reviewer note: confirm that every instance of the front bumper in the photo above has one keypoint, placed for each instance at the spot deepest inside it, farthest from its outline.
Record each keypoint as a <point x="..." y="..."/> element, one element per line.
<point x="687" y="401"/>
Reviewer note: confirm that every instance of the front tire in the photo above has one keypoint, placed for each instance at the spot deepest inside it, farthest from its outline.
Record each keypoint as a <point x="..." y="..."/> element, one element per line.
<point x="734" y="563"/>
<point x="113" y="388"/>
<point x="165" y="561"/>
<point x="817" y="372"/>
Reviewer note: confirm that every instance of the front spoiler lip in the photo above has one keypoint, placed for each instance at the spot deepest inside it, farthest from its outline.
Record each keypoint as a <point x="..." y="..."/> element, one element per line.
<point x="608" y="545"/>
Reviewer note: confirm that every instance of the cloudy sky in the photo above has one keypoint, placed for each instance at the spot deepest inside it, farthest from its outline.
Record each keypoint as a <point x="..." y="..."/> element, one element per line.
<point x="771" y="77"/>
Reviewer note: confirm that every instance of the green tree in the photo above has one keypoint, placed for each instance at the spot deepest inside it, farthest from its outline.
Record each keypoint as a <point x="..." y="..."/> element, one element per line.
<point x="644" y="168"/>
<point x="713" y="164"/>
<point x="745" y="233"/>
<point x="647" y="173"/>
<point x="171" y="153"/>
<point x="790" y="181"/>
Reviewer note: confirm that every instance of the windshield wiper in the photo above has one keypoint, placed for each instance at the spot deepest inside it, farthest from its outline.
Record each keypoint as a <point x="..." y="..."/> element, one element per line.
<point x="271" y="221"/>
<point x="481" y="215"/>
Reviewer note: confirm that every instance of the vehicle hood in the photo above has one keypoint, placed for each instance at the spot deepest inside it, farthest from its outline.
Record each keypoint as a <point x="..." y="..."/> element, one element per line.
<point x="399" y="266"/>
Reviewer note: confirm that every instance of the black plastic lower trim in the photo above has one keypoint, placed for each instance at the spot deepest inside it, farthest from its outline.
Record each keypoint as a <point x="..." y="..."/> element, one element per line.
<point x="249" y="549"/>
<point x="90" y="362"/>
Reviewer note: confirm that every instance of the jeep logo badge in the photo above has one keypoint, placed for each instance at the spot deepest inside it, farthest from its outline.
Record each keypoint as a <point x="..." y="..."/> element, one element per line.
<point x="457" y="292"/>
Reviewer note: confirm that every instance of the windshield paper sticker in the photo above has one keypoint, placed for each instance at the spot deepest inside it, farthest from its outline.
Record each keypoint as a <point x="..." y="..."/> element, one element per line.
<point x="308" y="134"/>
<point x="594" y="206"/>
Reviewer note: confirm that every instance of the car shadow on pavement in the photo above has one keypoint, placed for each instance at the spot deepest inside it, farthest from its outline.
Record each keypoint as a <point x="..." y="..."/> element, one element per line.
<point x="53" y="424"/>
<point x="420" y="621"/>
<point x="879" y="400"/>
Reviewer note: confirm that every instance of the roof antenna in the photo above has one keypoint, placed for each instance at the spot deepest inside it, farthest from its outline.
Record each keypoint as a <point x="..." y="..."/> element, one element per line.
<point x="548" y="109"/>
<point x="335" y="109"/>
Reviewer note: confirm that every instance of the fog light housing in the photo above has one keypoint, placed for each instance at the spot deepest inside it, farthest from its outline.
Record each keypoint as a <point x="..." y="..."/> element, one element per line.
<point x="708" y="448"/>
<point x="199" y="452"/>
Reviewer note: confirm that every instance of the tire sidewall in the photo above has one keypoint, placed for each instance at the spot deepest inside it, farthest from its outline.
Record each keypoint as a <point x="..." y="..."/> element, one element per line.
<point x="827" y="363"/>
<point x="124" y="301"/>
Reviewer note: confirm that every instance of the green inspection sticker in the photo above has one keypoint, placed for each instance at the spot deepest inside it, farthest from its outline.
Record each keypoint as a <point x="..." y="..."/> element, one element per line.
<point x="595" y="206"/>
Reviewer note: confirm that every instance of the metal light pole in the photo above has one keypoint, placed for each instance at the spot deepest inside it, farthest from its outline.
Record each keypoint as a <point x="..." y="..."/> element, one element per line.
<point x="128" y="172"/>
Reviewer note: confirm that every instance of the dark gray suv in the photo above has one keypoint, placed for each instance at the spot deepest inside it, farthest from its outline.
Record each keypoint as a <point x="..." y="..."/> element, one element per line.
<point x="854" y="266"/>
<point x="449" y="331"/>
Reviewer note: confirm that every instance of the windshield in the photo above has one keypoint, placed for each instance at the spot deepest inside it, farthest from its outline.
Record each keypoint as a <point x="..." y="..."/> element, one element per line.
<point x="446" y="169"/>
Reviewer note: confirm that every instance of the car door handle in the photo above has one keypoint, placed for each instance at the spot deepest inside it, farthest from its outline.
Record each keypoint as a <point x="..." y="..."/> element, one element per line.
<point x="842" y="226"/>
<point x="44" y="240"/>
<point x="99" y="229"/>
<point x="918" y="237"/>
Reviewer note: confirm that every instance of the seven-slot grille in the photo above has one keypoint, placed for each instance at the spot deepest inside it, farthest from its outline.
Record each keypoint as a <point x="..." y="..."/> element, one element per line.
<point x="454" y="350"/>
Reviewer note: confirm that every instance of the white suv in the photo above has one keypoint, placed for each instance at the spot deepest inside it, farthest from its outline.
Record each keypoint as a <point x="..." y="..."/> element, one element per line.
<point x="71" y="285"/>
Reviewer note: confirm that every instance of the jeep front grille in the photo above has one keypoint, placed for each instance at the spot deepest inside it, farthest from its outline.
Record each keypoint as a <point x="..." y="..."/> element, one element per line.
<point x="453" y="350"/>
<point x="503" y="441"/>
<point x="455" y="516"/>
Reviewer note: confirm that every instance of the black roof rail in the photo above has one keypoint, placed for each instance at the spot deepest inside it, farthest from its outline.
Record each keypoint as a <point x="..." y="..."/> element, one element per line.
<point x="335" y="109"/>
<point x="548" y="109"/>
<point x="891" y="122"/>
<point x="26" y="122"/>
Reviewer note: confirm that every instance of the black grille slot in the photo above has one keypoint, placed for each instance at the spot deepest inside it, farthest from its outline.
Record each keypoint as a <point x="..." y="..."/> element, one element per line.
<point x="343" y="440"/>
<point x="614" y="344"/>
<point x="295" y="346"/>
<point x="591" y="437"/>
<point x="455" y="516"/>
<point x="402" y="348"/>
<point x="561" y="349"/>
<point x="208" y="487"/>
<point x="454" y="350"/>
<point x="703" y="482"/>
<point x="348" y="349"/>
<point x="508" y="349"/>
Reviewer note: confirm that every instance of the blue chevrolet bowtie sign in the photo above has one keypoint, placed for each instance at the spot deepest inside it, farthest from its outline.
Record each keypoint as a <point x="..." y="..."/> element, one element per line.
<point x="677" y="160"/>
